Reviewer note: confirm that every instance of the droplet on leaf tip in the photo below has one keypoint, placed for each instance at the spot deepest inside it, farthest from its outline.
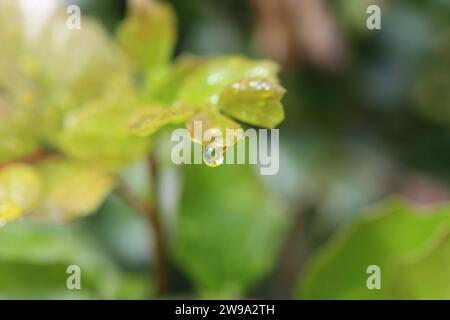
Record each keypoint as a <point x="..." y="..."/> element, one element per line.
<point x="213" y="155"/>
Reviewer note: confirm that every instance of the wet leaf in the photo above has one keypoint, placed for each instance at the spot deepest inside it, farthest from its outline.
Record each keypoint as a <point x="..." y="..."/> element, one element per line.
<point x="205" y="84"/>
<point x="254" y="101"/>
<point x="218" y="126"/>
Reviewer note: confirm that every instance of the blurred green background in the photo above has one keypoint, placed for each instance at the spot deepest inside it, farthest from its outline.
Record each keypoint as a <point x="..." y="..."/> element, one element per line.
<point x="364" y="170"/>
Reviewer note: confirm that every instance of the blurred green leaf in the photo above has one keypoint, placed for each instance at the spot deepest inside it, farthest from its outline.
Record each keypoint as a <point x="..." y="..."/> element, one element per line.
<point x="147" y="121"/>
<point x="71" y="190"/>
<point x="47" y="70"/>
<point x="20" y="188"/>
<point x="162" y="83"/>
<point x="218" y="125"/>
<point x="16" y="136"/>
<point x="384" y="238"/>
<point x="424" y="274"/>
<point x="34" y="259"/>
<point x="431" y="92"/>
<point x="148" y="33"/>
<point x="99" y="132"/>
<point x="229" y="229"/>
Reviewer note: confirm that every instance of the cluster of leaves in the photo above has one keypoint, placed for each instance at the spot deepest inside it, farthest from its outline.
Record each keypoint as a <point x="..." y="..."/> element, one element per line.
<point x="79" y="101"/>
<point x="79" y="107"/>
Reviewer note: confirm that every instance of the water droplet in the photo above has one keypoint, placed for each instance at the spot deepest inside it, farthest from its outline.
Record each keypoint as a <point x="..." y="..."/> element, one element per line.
<point x="213" y="155"/>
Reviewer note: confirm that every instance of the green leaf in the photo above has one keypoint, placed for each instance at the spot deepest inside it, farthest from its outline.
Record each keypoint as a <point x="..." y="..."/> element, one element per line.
<point x="254" y="101"/>
<point x="218" y="125"/>
<point x="9" y="211"/>
<point x="99" y="132"/>
<point x="20" y="188"/>
<point x="163" y="83"/>
<point x="15" y="141"/>
<point x="47" y="70"/>
<point x="147" y="121"/>
<point x="71" y="189"/>
<point x="74" y="70"/>
<point x="338" y="270"/>
<point x="204" y="85"/>
<point x="148" y="33"/>
<point x="33" y="264"/>
<point x="229" y="229"/>
<point x="423" y="275"/>
<point x="17" y="136"/>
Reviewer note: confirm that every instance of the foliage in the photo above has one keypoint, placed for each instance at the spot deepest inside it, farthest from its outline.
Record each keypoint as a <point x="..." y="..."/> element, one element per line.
<point x="78" y="108"/>
<point x="85" y="117"/>
<point x="80" y="99"/>
<point x="34" y="266"/>
<point x="218" y="266"/>
<point x="409" y="246"/>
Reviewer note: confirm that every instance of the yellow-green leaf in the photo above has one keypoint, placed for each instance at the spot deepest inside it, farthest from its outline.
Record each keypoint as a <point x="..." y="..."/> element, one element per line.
<point x="423" y="275"/>
<point x="148" y="33"/>
<point x="71" y="189"/>
<point x="99" y="133"/>
<point x="255" y="101"/>
<point x="147" y="121"/>
<point x="217" y="126"/>
<point x="9" y="210"/>
<point x="204" y="85"/>
<point x="20" y="188"/>
<point x="162" y="83"/>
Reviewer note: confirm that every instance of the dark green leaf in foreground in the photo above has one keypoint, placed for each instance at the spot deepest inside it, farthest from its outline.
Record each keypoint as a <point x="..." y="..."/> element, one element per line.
<point x="33" y="265"/>
<point x="229" y="229"/>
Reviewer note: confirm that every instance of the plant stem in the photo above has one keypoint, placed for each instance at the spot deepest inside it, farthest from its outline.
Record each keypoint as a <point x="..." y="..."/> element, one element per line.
<point x="30" y="158"/>
<point x="149" y="211"/>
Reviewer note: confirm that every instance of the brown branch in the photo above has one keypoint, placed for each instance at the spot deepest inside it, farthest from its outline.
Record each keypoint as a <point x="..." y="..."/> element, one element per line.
<point x="29" y="158"/>
<point x="149" y="211"/>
